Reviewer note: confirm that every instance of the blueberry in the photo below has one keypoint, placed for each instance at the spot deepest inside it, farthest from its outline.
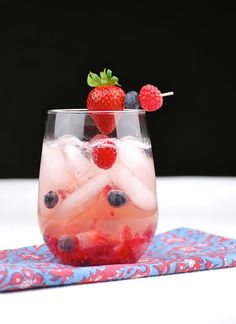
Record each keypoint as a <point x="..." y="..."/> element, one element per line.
<point x="86" y="153"/>
<point x="117" y="198"/>
<point x="66" y="243"/>
<point x="51" y="199"/>
<point x="131" y="100"/>
<point x="148" y="152"/>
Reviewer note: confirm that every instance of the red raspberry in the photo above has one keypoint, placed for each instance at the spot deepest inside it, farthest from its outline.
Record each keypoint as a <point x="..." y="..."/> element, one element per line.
<point x="51" y="242"/>
<point x="104" y="154"/>
<point x="150" y="98"/>
<point x="106" y="189"/>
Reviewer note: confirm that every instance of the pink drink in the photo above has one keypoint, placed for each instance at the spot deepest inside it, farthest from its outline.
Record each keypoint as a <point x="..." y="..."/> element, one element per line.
<point x="87" y="227"/>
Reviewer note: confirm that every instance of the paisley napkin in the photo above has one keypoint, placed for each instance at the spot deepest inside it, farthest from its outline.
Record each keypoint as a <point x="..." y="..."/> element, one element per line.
<point x="176" y="251"/>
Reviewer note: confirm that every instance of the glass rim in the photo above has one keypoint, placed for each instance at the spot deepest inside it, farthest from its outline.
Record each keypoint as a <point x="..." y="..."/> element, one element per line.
<point x="85" y="110"/>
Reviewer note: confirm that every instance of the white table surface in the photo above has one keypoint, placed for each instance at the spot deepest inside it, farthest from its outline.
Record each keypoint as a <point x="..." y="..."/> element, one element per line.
<point x="208" y="204"/>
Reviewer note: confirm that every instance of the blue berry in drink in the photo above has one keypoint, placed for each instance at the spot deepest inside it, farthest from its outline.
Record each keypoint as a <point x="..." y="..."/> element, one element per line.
<point x="131" y="100"/>
<point x="148" y="152"/>
<point x="51" y="199"/>
<point x="117" y="198"/>
<point x="66" y="243"/>
<point x="86" y="153"/>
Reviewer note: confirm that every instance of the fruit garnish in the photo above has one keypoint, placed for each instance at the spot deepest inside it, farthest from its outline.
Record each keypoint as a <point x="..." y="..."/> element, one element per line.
<point x="104" y="154"/>
<point x="106" y="96"/>
<point x="105" y="78"/>
<point x="51" y="199"/>
<point x="132" y="100"/>
<point x="117" y="198"/>
<point x="151" y="98"/>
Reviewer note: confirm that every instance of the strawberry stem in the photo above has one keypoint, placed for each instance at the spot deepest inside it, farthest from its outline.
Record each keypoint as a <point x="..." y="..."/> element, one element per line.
<point x="105" y="79"/>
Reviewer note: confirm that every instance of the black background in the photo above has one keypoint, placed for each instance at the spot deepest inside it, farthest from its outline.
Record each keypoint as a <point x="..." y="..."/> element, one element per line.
<point x="46" y="51"/>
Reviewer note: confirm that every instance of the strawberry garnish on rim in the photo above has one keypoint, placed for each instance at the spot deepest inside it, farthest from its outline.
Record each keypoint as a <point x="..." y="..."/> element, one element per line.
<point x="106" y="96"/>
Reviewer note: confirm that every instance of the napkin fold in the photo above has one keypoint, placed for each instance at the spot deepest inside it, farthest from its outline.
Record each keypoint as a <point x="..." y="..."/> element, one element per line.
<point x="176" y="251"/>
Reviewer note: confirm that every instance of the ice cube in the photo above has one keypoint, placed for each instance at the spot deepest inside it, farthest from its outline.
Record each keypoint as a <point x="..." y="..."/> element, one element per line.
<point x="132" y="155"/>
<point x="80" y="162"/>
<point x="54" y="171"/>
<point x="81" y="197"/>
<point x="136" y="141"/>
<point x="137" y="191"/>
<point x="68" y="139"/>
<point x="65" y="139"/>
<point x="77" y="156"/>
<point x="77" y="159"/>
<point x="101" y="140"/>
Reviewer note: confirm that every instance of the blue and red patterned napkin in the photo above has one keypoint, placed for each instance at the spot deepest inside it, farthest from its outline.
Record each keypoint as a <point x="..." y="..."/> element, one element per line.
<point x="180" y="250"/>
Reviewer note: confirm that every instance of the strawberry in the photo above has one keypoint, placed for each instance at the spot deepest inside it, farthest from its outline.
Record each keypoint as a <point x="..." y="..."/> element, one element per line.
<point x="106" y="95"/>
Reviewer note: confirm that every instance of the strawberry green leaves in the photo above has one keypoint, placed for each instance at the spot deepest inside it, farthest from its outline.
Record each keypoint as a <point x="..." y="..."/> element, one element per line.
<point x="93" y="80"/>
<point x="105" y="78"/>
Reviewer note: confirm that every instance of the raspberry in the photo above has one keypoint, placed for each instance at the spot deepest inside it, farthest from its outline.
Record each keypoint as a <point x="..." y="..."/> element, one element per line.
<point x="150" y="98"/>
<point x="104" y="154"/>
<point x="95" y="248"/>
<point x="106" y="189"/>
<point x="51" y="242"/>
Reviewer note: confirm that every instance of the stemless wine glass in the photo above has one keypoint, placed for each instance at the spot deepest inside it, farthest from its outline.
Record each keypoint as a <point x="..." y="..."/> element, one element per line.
<point x="97" y="193"/>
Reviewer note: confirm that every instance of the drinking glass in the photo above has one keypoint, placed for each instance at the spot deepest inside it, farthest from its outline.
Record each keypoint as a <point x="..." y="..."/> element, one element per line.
<point x="97" y="199"/>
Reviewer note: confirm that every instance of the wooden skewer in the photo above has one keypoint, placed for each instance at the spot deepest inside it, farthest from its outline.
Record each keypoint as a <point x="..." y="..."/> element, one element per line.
<point x="171" y="93"/>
